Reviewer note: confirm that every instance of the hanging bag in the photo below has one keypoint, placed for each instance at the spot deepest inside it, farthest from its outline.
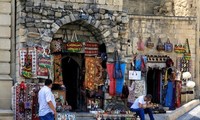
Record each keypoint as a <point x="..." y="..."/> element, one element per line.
<point x="65" y="36"/>
<point x="149" y="43"/>
<point x="74" y="45"/>
<point x="140" y="44"/>
<point x="56" y="45"/>
<point x="187" y="54"/>
<point x="117" y="70"/>
<point x="168" y="46"/>
<point x="160" y="46"/>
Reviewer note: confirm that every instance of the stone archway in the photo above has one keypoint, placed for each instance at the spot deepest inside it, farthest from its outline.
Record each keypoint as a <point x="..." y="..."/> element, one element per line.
<point x="111" y="30"/>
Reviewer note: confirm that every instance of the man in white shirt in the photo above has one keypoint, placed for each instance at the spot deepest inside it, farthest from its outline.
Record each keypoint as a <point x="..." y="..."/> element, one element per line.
<point x="47" y="104"/>
<point x="143" y="105"/>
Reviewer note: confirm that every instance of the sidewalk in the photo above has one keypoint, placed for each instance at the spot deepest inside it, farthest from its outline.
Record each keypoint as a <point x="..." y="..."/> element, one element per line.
<point x="170" y="115"/>
<point x="173" y="115"/>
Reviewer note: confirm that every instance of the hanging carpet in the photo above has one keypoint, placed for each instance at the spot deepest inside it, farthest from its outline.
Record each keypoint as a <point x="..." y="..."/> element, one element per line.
<point x="93" y="74"/>
<point x="57" y="69"/>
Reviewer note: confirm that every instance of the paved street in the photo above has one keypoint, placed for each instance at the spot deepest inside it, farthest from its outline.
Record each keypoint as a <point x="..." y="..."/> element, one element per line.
<point x="194" y="114"/>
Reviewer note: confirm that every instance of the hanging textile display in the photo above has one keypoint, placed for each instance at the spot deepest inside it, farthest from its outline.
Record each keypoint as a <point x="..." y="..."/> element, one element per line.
<point x="169" y="94"/>
<point x="120" y="81"/>
<point x="26" y="104"/>
<point x="28" y="62"/>
<point x="154" y="81"/>
<point x="112" y="85"/>
<point x="91" y="49"/>
<point x="44" y="63"/>
<point x="140" y="88"/>
<point x="131" y="96"/>
<point x="178" y="85"/>
<point x="57" y="69"/>
<point x="93" y="74"/>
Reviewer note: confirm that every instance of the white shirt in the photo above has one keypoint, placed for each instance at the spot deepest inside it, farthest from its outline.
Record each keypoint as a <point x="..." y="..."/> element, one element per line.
<point x="45" y="95"/>
<point x="140" y="100"/>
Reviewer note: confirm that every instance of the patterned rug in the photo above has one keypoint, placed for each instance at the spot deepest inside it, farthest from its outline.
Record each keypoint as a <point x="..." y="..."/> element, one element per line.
<point x="93" y="74"/>
<point x="57" y="69"/>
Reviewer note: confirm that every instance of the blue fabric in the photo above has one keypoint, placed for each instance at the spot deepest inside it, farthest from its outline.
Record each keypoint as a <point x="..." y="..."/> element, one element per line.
<point x="169" y="95"/>
<point x="48" y="116"/>
<point x="138" y="63"/>
<point x="120" y="82"/>
<point x="141" y="112"/>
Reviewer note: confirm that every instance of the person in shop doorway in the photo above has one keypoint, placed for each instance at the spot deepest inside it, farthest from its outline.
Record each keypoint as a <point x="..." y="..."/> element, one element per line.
<point x="143" y="105"/>
<point x="46" y="100"/>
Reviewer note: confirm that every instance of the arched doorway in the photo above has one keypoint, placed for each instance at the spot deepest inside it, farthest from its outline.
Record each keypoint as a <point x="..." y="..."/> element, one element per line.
<point x="72" y="79"/>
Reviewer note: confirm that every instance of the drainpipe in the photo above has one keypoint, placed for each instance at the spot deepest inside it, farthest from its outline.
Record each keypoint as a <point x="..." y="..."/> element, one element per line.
<point x="197" y="50"/>
<point x="13" y="42"/>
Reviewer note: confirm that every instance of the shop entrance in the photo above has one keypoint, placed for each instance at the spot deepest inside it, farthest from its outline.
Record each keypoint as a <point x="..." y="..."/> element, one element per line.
<point x="72" y="79"/>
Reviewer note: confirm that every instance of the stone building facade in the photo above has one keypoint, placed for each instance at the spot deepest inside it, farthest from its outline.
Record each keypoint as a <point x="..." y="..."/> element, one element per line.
<point x="6" y="80"/>
<point x="105" y="21"/>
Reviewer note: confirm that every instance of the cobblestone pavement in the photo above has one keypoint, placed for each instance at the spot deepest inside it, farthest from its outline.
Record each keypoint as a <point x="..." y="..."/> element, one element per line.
<point x="193" y="114"/>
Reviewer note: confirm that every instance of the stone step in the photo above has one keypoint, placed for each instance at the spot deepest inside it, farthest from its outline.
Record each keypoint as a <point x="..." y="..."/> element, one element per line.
<point x="6" y="114"/>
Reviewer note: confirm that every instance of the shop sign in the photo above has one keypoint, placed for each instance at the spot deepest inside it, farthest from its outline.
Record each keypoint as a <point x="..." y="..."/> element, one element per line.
<point x="134" y="75"/>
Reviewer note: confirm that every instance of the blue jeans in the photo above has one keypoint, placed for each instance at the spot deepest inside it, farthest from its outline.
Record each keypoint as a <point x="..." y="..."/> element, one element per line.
<point x="48" y="116"/>
<point x="141" y="112"/>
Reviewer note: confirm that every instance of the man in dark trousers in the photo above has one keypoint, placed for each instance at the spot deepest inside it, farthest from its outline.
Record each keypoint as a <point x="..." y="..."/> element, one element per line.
<point x="47" y="104"/>
<point x="143" y="105"/>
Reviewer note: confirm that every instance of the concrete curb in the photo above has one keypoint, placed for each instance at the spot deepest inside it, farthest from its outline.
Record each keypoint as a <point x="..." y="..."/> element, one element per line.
<point x="182" y="110"/>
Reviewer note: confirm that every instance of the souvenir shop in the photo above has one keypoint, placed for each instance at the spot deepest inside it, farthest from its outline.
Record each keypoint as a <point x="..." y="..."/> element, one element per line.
<point x="166" y="79"/>
<point x="79" y="74"/>
<point x="84" y="80"/>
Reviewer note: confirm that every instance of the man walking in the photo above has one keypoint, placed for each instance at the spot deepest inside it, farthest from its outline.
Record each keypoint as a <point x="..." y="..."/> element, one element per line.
<point x="47" y="104"/>
<point x="143" y="105"/>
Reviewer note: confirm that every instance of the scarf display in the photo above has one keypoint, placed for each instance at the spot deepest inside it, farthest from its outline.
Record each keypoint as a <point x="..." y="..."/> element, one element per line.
<point x="112" y="86"/>
<point x="120" y="81"/>
<point x="93" y="74"/>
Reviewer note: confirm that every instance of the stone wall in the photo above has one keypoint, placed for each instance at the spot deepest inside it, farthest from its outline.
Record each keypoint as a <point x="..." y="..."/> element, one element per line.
<point x="140" y="7"/>
<point x="161" y="7"/>
<point x="185" y="7"/>
<point x="5" y="54"/>
<point x="39" y="22"/>
<point x="175" y="28"/>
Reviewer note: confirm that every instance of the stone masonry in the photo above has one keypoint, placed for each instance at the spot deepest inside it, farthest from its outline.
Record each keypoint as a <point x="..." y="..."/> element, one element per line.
<point x="39" y="22"/>
<point x="5" y="54"/>
<point x="161" y="7"/>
